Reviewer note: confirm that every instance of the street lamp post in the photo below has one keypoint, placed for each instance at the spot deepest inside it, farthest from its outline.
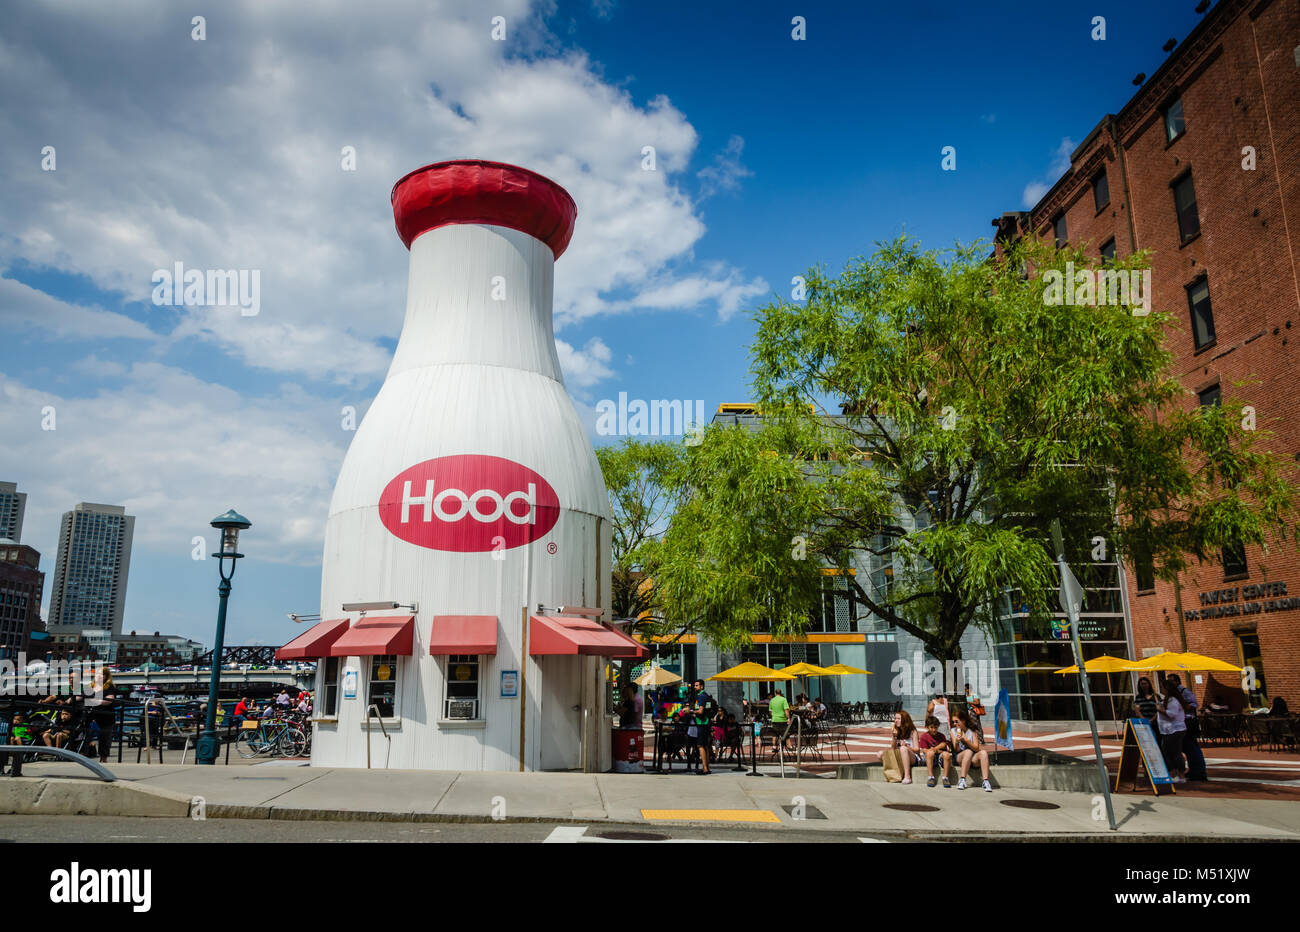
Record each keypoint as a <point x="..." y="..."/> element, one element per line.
<point x="229" y="524"/>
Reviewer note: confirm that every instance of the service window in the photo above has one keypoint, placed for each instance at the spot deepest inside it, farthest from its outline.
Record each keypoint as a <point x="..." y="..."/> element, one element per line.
<point x="462" y="697"/>
<point x="381" y="689"/>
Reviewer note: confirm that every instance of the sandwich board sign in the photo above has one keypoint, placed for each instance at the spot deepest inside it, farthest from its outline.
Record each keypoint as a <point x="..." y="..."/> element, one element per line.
<point x="1140" y="740"/>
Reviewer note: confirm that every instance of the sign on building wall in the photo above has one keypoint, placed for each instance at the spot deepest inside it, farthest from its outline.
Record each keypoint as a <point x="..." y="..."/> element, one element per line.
<point x="1237" y="601"/>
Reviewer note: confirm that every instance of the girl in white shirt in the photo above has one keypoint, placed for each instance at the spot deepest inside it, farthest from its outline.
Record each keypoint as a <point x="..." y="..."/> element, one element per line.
<point x="905" y="739"/>
<point x="969" y="745"/>
<point x="1172" y="720"/>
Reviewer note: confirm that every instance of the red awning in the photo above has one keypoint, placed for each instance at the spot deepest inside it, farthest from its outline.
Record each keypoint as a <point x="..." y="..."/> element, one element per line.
<point x="556" y="634"/>
<point x="376" y="636"/>
<point x="315" y="642"/>
<point x="463" y="634"/>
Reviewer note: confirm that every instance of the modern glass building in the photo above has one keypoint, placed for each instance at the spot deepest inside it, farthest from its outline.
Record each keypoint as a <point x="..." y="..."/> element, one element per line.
<point x="12" y="506"/>
<point x="1019" y="657"/>
<point x="90" y="573"/>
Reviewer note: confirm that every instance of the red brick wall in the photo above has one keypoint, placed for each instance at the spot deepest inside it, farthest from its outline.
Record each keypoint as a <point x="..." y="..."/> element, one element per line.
<point x="1239" y="83"/>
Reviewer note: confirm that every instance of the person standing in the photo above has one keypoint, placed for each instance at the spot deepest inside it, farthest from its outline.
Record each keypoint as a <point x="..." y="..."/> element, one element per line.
<point x="779" y="710"/>
<point x="1196" y="772"/>
<point x="938" y="707"/>
<point x="1173" y="730"/>
<point x="702" y="708"/>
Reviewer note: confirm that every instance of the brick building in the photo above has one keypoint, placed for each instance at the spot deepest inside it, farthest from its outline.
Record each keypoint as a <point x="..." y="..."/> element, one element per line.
<point x="22" y="585"/>
<point x="1202" y="168"/>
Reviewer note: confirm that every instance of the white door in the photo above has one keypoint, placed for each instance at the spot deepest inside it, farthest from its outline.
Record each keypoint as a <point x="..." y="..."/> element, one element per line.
<point x="561" y="712"/>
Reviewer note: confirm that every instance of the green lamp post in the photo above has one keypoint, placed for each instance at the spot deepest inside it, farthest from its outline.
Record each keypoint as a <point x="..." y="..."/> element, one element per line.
<point x="230" y="524"/>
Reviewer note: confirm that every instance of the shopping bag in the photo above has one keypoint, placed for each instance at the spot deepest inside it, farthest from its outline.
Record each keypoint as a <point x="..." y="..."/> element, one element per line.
<point x="893" y="766"/>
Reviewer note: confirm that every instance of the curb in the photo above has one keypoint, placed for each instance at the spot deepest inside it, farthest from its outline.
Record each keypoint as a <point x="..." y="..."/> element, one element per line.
<point x="77" y="796"/>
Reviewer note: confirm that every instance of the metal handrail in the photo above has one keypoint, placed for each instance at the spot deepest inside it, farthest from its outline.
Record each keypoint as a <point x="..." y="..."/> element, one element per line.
<point x="95" y="767"/>
<point x="373" y="713"/>
<point x="148" y="750"/>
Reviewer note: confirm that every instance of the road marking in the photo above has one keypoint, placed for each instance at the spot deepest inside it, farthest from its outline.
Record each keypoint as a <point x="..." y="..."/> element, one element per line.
<point x="710" y="815"/>
<point x="567" y="834"/>
<point x="574" y="834"/>
<point x="873" y="841"/>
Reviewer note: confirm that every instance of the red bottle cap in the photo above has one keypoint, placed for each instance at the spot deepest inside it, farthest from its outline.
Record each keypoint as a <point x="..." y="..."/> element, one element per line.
<point x="475" y="191"/>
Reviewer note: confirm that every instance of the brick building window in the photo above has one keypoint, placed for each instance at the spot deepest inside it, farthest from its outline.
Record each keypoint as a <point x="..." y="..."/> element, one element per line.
<point x="1108" y="251"/>
<point x="1209" y="397"/>
<point x="1145" y="570"/>
<point x="1234" y="560"/>
<point x="1189" y="222"/>
<point x="1100" y="190"/>
<point x="1058" y="230"/>
<point x="1198" y="300"/>
<point x="1174" y="123"/>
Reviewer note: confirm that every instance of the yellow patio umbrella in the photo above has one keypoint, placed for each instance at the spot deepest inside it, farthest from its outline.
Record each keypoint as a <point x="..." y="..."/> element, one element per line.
<point x="843" y="669"/>
<point x="1174" y="662"/>
<point x="805" y="670"/>
<point x="657" y="676"/>
<point x="750" y="672"/>
<point x="1108" y="665"/>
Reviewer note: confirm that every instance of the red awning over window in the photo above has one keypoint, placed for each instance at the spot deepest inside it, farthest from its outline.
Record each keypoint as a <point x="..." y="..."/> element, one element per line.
<point x="315" y="642"/>
<point x="463" y="634"/>
<point x="555" y="634"/>
<point x="375" y="636"/>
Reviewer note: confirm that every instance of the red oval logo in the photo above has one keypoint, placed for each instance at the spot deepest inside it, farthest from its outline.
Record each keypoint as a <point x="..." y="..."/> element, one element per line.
<point x="468" y="504"/>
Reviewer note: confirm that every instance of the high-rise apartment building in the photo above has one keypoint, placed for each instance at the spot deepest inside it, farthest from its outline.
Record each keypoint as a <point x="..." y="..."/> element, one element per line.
<point x="12" y="505"/>
<point x="90" y="574"/>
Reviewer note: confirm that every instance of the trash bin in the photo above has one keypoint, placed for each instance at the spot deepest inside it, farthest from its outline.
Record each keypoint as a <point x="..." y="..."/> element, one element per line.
<point x="628" y="750"/>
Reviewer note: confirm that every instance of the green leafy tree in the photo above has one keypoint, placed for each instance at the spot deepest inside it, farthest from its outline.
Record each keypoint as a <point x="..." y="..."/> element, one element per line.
<point x="936" y="411"/>
<point x="643" y="481"/>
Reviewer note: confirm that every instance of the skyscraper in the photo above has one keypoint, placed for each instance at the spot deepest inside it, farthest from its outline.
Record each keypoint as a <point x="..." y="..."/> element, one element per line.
<point x="89" y="588"/>
<point x="12" y="505"/>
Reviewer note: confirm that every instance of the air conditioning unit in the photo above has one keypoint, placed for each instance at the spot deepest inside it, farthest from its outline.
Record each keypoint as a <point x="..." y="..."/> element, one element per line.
<point x="461" y="709"/>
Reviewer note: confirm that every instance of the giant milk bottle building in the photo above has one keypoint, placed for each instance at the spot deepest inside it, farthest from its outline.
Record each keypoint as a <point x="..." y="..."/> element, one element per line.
<point x="471" y="500"/>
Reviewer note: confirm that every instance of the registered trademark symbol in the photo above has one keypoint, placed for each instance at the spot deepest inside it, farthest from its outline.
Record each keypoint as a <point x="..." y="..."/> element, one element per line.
<point x="551" y="548"/>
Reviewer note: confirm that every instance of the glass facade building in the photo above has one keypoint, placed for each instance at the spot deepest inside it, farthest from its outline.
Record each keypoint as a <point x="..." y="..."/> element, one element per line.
<point x="90" y="574"/>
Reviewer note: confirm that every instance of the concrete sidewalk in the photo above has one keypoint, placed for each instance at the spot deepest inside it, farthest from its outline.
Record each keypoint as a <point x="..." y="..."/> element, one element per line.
<point x="284" y="790"/>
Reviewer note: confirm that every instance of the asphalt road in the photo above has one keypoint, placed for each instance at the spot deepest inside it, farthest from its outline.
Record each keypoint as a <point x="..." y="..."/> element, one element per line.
<point x="109" y="830"/>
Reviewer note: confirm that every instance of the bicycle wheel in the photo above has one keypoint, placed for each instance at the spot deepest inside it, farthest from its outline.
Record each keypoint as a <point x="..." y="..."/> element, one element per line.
<point x="292" y="743"/>
<point x="248" y="744"/>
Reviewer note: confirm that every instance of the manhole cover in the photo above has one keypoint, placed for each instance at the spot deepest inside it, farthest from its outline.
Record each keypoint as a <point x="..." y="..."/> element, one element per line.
<point x="807" y="812"/>
<point x="1028" y="804"/>
<point x="632" y="836"/>
<point x="911" y="807"/>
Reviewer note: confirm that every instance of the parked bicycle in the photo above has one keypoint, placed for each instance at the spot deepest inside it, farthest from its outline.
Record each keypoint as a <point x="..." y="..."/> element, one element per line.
<point x="270" y="738"/>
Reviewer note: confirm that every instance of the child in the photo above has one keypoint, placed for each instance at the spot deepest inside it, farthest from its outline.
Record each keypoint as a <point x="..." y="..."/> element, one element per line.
<point x="935" y="748"/>
<point x="903" y="738"/>
<point x="969" y="746"/>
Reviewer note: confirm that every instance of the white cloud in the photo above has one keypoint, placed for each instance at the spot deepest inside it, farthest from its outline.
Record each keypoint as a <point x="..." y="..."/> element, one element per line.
<point x="726" y="171"/>
<point x="585" y="367"/>
<point x="1060" y="164"/>
<point x="233" y="160"/>
<point x="1033" y="193"/>
<point x="150" y="446"/>
<point x="22" y="306"/>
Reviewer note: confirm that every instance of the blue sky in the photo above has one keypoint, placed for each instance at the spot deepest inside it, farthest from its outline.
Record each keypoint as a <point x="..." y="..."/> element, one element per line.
<point x="772" y="155"/>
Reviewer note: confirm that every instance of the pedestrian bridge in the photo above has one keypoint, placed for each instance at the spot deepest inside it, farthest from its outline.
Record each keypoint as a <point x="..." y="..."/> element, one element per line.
<point x="196" y="681"/>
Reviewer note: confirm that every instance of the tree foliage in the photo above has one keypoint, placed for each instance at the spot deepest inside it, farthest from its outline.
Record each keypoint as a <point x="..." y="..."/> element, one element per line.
<point x="934" y="411"/>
